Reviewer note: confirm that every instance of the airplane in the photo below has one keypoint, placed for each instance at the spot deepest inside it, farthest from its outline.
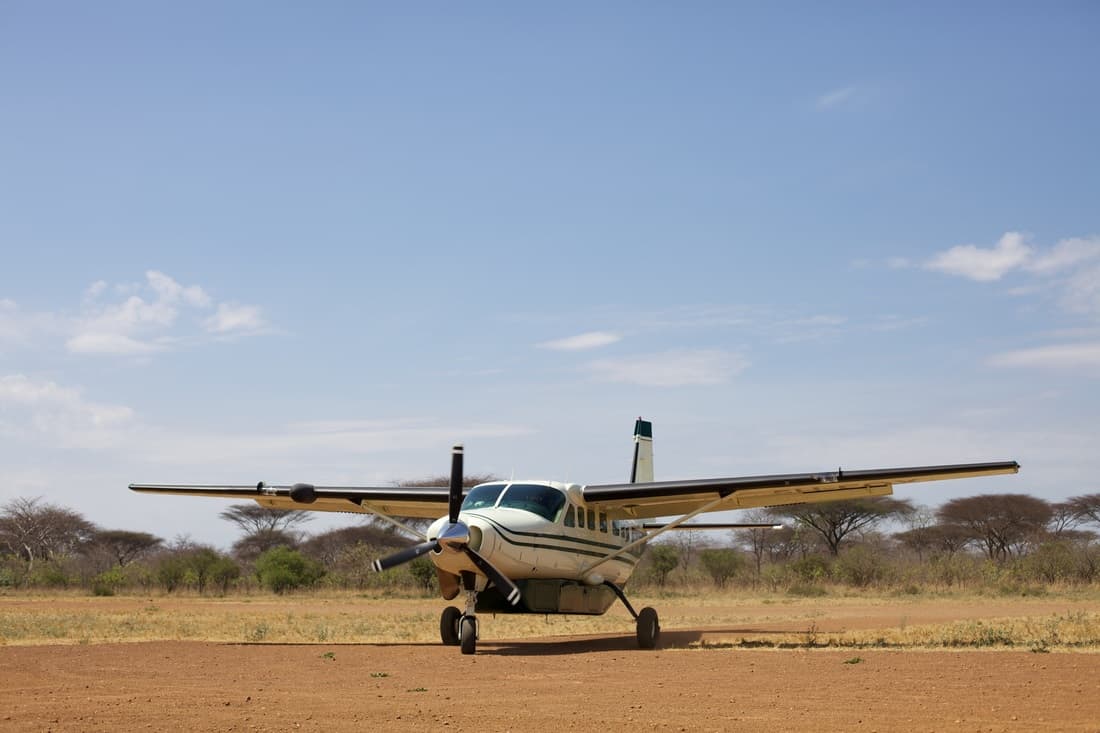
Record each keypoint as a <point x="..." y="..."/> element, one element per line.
<point x="546" y="547"/>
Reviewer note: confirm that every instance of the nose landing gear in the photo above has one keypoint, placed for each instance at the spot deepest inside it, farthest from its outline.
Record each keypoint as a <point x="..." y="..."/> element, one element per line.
<point x="457" y="628"/>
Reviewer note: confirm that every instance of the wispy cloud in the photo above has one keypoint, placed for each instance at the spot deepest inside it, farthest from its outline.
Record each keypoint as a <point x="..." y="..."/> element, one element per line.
<point x="37" y="407"/>
<point x="1071" y="268"/>
<point x="19" y="328"/>
<point x="671" y="368"/>
<point x="983" y="264"/>
<point x="836" y="97"/>
<point x="1077" y="356"/>
<point x="580" y="342"/>
<point x="132" y="319"/>
<point x="235" y="318"/>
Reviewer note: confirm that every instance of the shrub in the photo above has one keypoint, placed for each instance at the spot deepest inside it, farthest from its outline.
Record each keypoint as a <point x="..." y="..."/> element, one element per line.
<point x="108" y="582"/>
<point x="810" y="569"/>
<point x="50" y="575"/>
<point x="663" y="560"/>
<point x="721" y="564"/>
<point x="422" y="570"/>
<point x="222" y="572"/>
<point x="282" y="569"/>
<point x="170" y="571"/>
<point x="860" y="567"/>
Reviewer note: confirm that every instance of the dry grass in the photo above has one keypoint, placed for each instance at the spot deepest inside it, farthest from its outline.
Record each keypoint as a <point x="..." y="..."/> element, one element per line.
<point x="721" y="619"/>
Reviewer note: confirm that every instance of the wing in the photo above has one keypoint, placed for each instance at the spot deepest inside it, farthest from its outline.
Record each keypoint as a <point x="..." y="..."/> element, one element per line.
<point x="427" y="502"/>
<point x="667" y="498"/>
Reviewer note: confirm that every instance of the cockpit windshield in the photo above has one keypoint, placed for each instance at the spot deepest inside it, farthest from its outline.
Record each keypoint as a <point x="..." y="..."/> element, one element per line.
<point x="482" y="496"/>
<point x="541" y="500"/>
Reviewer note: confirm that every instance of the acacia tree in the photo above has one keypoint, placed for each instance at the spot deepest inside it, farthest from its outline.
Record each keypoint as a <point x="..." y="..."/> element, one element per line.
<point x="1000" y="523"/>
<point x="945" y="539"/>
<point x="761" y="541"/>
<point x="35" y="531"/>
<point x="920" y="536"/>
<point x="125" y="546"/>
<point x="254" y="544"/>
<point x="1065" y="522"/>
<point x="836" y="520"/>
<point x="1086" y="507"/>
<point x="252" y="518"/>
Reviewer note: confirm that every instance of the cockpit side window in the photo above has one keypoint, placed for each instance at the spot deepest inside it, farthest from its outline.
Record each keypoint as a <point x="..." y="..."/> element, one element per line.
<point x="544" y="501"/>
<point x="481" y="497"/>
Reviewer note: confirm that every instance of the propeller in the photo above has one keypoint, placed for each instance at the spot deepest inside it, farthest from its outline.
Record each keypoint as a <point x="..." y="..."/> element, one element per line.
<point x="403" y="556"/>
<point x="507" y="588"/>
<point x="454" y="498"/>
<point x="455" y="537"/>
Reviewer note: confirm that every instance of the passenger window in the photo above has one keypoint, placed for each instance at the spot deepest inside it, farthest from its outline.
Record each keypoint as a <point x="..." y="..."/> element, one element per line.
<point x="569" y="517"/>
<point x="603" y="523"/>
<point x="592" y="520"/>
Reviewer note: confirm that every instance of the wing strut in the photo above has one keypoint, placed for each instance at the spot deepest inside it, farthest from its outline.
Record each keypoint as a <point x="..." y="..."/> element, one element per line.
<point x="401" y="525"/>
<point x="709" y="506"/>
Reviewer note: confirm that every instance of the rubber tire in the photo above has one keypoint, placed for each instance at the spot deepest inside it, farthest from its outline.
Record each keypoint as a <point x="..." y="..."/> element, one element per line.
<point x="649" y="630"/>
<point x="448" y="625"/>
<point x="467" y="632"/>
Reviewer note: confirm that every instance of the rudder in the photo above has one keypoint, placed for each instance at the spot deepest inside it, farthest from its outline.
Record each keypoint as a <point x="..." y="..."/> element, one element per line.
<point x="642" y="469"/>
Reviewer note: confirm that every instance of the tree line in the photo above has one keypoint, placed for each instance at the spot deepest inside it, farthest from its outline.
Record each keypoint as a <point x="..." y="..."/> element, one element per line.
<point x="999" y="538"/>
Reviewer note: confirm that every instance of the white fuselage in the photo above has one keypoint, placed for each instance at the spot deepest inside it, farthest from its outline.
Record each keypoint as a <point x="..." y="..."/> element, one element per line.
<point x="538" y="529"/>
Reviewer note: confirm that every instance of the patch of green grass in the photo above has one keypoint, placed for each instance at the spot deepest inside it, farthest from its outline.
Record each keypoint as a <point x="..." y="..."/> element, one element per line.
<point x="853" y="660"/>
<point x="378" y="675"/>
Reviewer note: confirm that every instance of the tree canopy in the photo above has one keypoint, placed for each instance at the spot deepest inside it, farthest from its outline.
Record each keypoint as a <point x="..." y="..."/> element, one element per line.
<point x="999" y="523"/>
<point x="836" y="520"/>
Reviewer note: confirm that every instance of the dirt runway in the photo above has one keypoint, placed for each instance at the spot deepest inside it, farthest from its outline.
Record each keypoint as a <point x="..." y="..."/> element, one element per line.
<point x="582" y="683"/>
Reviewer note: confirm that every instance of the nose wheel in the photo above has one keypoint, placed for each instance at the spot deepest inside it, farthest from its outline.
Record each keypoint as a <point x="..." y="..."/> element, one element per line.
<point x="467" y="634"/>
<point x="460" y="629"/>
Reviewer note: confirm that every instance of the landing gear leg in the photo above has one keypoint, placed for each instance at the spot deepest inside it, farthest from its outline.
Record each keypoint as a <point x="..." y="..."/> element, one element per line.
<point x="648" y="628"/>
<point x="467" y="623"/>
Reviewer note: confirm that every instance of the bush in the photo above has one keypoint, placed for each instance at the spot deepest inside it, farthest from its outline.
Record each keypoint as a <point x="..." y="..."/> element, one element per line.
<point x="223" y="572"/>
<point x="282" y="569"/>
<point x="108" y="582"/>
<point x="810" y="569"/>
<point x="422" y="570"/>
<point x="50" y="575"/>
<point x="170" y="571"/>
<point x="861" y="567"/>
<point x="663" y="560"/>
<point x="1051" y="562"/>
<point x="721" y="564"/>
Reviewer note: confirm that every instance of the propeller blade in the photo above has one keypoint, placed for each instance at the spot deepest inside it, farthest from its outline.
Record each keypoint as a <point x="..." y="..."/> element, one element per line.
<point x="403" y="556"/>
<point x="454" y="499"/>
<point x="506" y="587"/>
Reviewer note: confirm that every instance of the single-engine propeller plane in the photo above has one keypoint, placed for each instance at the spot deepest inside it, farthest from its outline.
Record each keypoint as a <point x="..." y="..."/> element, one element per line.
<point x="547" y="547"/>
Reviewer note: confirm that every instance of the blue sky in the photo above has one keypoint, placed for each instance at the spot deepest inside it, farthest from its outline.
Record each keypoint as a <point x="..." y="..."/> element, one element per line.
<point x="323" y="243"/>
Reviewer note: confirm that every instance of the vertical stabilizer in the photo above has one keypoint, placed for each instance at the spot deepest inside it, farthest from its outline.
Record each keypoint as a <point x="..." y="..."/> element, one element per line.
<point x="642" y="470"/>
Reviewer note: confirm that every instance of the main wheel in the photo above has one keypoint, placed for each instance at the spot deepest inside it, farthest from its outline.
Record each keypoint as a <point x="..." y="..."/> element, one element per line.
<point x="448" y="625"/>
<point x="648" y="628"/>
<point x="467" y="633"/>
